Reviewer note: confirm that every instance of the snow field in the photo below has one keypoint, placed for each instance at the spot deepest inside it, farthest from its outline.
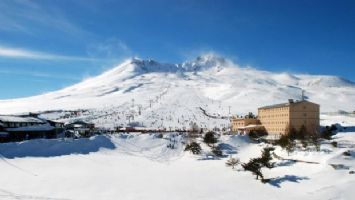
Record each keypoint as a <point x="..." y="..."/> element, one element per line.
<point x="141" y="166"/>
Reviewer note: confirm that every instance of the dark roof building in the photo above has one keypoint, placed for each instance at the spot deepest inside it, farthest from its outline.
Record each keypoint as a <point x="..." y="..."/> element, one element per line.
<point x="12" y="121"/>
<point x="18" y="128"/>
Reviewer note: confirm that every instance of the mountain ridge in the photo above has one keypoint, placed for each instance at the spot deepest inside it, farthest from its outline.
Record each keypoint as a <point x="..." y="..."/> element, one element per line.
<point x="178" y="91"/>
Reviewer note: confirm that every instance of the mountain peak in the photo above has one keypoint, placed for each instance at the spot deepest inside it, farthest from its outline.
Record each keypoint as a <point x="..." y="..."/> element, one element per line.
<point x="205" y="61"/>
<point x="150" y="65"/>
<point x="139" y="61"/>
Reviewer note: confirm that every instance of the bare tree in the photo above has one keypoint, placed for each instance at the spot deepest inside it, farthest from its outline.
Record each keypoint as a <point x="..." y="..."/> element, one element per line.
<point x="232" y="162"/>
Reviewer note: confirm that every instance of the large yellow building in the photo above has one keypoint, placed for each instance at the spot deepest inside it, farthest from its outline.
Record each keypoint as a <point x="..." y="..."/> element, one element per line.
<point x="279" y="119"/>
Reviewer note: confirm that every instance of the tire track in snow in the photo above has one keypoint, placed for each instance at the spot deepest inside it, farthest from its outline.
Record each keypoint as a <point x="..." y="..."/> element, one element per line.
<point x="10" y="195"/>
<point x="17" y="167"/>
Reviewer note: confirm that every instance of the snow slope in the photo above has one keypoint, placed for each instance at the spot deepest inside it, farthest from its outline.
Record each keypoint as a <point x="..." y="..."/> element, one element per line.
<point x="155" y="94"/>
<point x="137" y="166"/>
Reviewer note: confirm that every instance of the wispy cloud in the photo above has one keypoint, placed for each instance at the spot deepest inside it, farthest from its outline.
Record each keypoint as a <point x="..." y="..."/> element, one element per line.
<point x="38" y="74"/>
<point x="49" y="20"/>
<point x="29" y="17"/>
<point x="109" y="48"/>
<point x="111" y="51"/>
<point x="9" y="52"/>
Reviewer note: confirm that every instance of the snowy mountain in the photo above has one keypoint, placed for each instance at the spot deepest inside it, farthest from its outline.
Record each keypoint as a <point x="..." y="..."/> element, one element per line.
<point x="204" y="90"/>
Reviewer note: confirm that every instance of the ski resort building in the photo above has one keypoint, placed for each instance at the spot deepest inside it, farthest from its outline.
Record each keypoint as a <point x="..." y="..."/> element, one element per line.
<point x="17" y="128"/>
<point x="245" y="125"/>
<point x="9" y="121"/>
<point x="280" y="118"/>
<point x="80" y="128"/>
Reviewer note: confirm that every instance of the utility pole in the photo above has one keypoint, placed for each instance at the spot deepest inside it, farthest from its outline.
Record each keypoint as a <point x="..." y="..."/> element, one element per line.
<point x="140" y="110"/>
<point x="150" y="103"/>
<point x="128" y="117"/>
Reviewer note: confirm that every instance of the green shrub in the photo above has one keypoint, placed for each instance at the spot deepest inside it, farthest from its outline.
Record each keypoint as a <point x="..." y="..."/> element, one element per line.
<point x="255" y="164"/>
<point x="334" y="144"/>
<point x="256" y="134"/>
<point x="266" y="157"/>
<point x="347" y="153"/>
<point x="254" y="167"/>
<point x="194" y="147"/>
<point x="210" y="138"/>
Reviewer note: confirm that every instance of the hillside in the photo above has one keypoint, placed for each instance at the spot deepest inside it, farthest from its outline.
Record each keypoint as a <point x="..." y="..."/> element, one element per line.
<point x="154" y="94"/>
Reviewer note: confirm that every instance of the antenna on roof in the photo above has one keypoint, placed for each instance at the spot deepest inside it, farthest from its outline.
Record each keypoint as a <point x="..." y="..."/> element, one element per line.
<point x="303" y="95"/>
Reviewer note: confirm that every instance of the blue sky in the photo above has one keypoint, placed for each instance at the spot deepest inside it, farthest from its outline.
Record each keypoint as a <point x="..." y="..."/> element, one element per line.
<point x="47" y="45"/>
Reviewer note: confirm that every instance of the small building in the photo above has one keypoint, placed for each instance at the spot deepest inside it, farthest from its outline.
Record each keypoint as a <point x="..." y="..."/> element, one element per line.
<point x="245" y="125"/>
<point x="1" y="126"/>
<point x="17" y="128"/>
<point x="12" y="121"/>
<point x="56" y="124"/>
<point x="80" y="127"/>
<point x="32" y="132"/>
<point x="280" y="118"/>
<point x="3" y="135"/>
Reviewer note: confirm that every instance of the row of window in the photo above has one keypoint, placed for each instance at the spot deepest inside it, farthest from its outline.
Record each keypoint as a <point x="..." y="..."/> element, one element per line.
<point x="238" y="123"/>
<point x="19" y="124"/>
<point x="276" y="122"/>
<point x="276" y="129"/>
<point x="276" y="109"/>
<point x="277" y="115"/>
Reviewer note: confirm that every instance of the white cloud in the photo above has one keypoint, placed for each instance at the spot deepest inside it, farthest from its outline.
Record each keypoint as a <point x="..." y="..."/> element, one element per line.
<point x="29" y="17"/>
<point x="191" y="53"/>
<point x="9" y="52"/>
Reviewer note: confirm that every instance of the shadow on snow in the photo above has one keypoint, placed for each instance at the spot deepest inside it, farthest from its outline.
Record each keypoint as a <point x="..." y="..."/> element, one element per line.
<point x="285" y="163"/>
<point x="54" y="147"/>
<point x="276" y="182"/>
<point x="227" y="148"/>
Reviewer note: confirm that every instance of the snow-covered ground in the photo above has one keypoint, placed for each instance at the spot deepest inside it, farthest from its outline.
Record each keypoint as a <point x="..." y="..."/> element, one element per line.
<point x="141" y="166"/>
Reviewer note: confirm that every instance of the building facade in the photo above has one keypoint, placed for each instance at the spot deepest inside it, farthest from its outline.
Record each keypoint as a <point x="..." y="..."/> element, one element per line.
<point x="245" y="125"/>
<point x="279" y="119"/>
<point x="11" y="121"/>
<point x="80" y="128"/>
<point x="23" y="127"/>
